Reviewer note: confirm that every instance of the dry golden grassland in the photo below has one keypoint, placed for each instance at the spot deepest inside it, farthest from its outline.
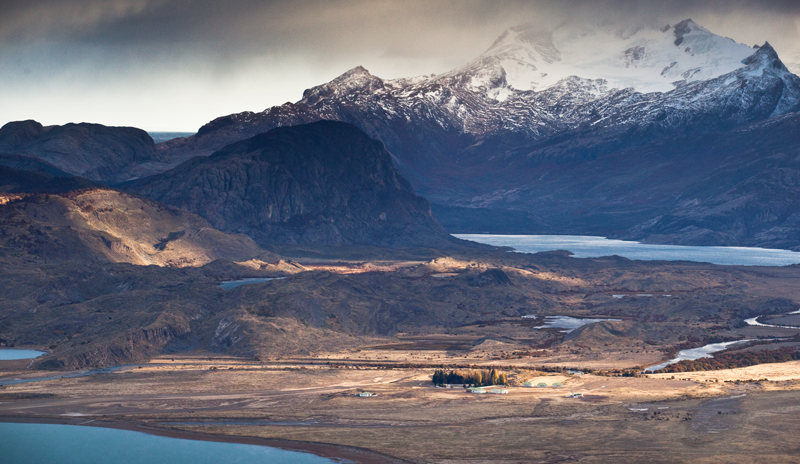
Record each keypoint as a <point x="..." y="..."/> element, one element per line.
<point x="619" y="419"/>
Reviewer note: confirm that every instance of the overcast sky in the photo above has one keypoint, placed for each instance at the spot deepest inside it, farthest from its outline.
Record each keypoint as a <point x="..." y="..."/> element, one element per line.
<point x="176" y="64"/>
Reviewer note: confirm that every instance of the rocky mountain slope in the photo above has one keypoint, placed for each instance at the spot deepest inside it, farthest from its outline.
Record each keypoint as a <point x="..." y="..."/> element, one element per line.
<point x="747" y="197"/>
<point x="66" y="218"/>
<point x="94" y="151"/>
<point x="726" y="188"/>
<point x="536" y="102"/>
<point x="325" y="183"/>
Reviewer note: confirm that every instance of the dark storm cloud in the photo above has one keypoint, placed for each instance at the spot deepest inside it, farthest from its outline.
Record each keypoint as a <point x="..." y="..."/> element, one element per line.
<point x="179" y="63"/>
<point x="325" y="26"/>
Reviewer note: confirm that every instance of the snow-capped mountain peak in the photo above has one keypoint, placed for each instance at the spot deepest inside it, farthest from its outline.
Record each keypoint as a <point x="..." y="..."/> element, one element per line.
<point x="541" y="96"/>
<point x="645" y="59"/>
<point x="356" y="80"/>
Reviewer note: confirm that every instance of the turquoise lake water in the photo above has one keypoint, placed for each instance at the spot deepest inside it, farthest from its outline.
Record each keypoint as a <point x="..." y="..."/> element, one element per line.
<point x="593" y="247"/>
<point x="8" y="354"/>
<point x="70" y="444"/>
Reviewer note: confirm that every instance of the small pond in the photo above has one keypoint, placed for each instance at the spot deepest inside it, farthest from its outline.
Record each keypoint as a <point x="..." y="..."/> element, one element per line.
<point x="229" y="284"/>
<point x="9" y="354"/>
<point x="567" y="322"/>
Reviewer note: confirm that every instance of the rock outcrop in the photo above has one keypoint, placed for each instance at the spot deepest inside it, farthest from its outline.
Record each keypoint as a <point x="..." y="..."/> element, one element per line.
<point x="320" y="183"/>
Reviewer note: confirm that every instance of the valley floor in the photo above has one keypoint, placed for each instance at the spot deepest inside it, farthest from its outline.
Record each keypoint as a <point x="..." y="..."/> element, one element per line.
<point x="294" y="402"/>
<point x="280" y="362"/>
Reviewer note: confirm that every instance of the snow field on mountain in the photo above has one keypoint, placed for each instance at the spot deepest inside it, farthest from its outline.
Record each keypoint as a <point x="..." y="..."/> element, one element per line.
<point x="647" y="60"/>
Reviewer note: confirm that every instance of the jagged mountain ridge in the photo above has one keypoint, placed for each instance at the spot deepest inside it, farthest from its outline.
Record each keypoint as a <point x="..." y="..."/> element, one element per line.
<point x="475" y="138"/>
<point x="441" y="128"/>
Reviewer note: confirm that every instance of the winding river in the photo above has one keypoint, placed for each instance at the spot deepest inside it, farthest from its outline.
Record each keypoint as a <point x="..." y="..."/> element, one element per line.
<point x="695" y="353"/>
<point x="754" y="321"/>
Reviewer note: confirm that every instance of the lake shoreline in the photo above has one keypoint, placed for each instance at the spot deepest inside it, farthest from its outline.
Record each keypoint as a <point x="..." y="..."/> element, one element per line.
<point x="325" y="450"/>
<point x="586" y="246"/>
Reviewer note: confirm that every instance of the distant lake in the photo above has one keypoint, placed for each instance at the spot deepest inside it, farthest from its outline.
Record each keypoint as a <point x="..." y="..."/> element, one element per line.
<point x="159" y="137"/>
<point x="594" y="247"/>
<point x="229" y="284"/>
<point x="68" y="444"/>
<point x="8" y="354"/>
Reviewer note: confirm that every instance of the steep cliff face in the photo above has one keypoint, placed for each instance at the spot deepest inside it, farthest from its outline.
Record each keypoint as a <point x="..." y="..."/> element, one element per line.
<point x="93" y="151"/>
<point x="325" y="182"/>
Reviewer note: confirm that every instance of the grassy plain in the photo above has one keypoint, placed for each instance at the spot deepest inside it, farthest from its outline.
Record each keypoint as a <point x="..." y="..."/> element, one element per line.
<point x="619" y="419"/>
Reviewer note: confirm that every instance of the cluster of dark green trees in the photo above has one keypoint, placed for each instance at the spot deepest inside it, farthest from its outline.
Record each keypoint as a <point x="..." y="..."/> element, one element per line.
<point x="475" y="378"/>
<point x="733" y="360"/>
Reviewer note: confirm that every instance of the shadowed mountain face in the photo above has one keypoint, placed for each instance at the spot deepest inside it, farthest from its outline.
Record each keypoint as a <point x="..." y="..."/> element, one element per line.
<point x="31" y="164"/>
<point x="26" y="181"/>
<point x="324" y="183"/>
<point x="737" y="187"/>
<point x="93" y="151"/>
